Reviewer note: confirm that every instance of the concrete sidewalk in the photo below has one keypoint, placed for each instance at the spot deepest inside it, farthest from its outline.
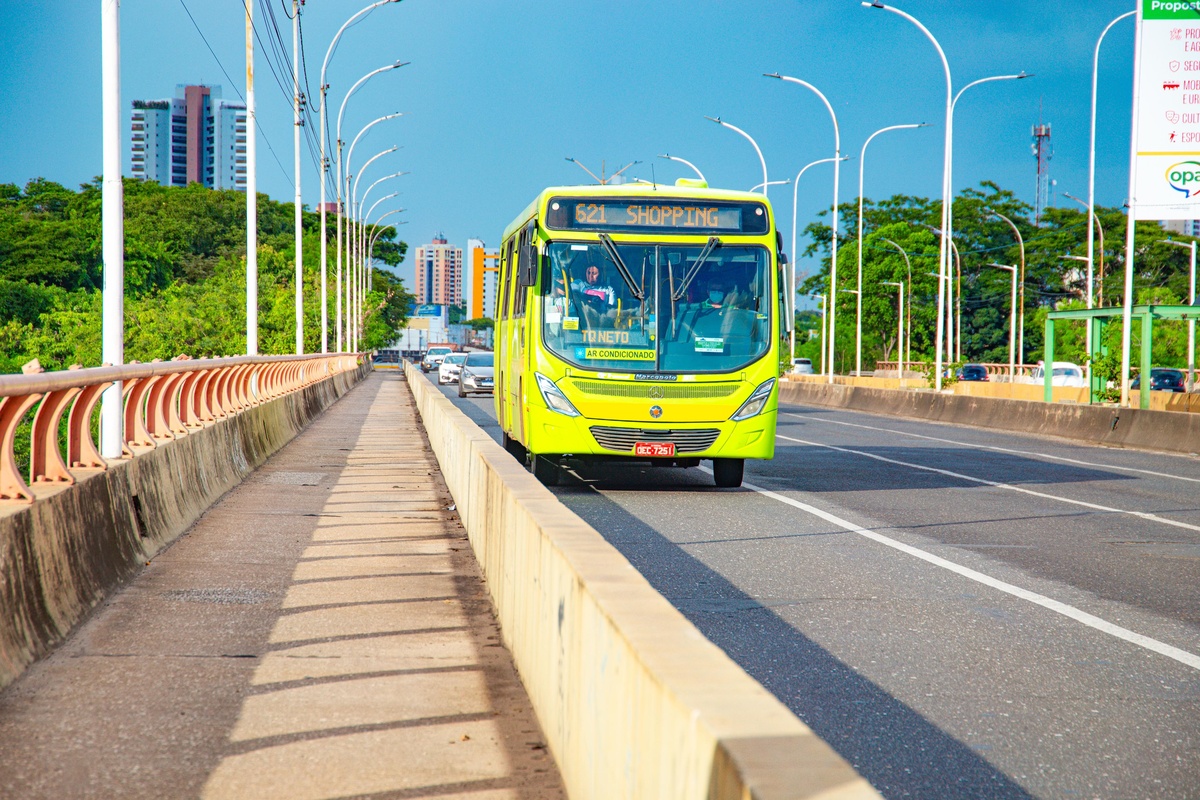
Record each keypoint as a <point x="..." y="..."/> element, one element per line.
<point x="322" y="632"/>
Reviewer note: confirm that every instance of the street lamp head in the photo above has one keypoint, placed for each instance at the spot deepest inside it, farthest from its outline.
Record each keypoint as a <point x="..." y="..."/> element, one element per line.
<point x="775" y="75"/>
<point x="714" y="119"/>
<point x="400" y="64"/>
<point x="1024" y="74"/>
<point x="875" y="4"/>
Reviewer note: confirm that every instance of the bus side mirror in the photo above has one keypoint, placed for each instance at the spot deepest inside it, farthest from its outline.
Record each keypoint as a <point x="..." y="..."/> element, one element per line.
<point x="783" y="260"/>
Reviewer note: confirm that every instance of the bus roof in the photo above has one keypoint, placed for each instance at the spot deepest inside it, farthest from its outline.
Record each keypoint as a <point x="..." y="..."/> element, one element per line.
<point x="659" y="190"/>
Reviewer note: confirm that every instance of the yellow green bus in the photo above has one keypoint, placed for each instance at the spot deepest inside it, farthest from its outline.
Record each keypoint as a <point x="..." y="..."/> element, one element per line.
<point x="640" y="322"/>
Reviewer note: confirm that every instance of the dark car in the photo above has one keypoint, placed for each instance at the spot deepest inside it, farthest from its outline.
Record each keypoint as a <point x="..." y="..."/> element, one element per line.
<point x="972" y="372"/>
<point x="1163" y="379"/>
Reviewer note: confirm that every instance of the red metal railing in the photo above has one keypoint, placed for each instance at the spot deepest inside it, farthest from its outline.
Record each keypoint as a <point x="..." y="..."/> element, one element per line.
<point x="162" y="401"/>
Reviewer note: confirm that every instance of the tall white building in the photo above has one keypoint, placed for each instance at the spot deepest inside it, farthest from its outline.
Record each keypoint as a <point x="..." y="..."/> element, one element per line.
<point x="194" y="137"/>
<point x="488" y="303"/>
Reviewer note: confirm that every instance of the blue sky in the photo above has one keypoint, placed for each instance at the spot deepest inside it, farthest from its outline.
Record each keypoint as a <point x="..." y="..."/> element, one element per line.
<point x="498" y="94"/>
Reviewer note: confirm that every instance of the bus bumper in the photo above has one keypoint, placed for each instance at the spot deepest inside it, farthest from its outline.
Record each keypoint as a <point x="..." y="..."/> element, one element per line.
<point x="552" y="434"/>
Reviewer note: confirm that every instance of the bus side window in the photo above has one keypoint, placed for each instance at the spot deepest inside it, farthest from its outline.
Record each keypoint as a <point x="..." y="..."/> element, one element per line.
<point x="519" y="269"/>
<point x="506" y="271"/>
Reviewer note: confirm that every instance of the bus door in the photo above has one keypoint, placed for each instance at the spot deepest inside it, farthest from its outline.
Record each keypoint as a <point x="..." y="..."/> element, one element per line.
<point x="524" y="274"/>
<point x="500" y="344"/>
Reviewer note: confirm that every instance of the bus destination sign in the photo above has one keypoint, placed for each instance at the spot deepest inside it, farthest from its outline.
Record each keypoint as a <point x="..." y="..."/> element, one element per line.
<point x="669" y="214"/>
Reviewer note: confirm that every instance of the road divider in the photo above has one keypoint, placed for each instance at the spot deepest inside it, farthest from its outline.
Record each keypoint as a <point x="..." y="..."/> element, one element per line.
<point x="1103" y="425"/>
<point x="633" y="700"/>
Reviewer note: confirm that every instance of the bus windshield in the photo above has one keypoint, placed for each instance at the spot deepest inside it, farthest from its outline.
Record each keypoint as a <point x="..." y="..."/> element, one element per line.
<point x="673" y="308"/>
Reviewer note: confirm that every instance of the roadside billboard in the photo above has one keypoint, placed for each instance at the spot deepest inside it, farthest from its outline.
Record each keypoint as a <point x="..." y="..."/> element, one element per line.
<point x="1167" y="177"/>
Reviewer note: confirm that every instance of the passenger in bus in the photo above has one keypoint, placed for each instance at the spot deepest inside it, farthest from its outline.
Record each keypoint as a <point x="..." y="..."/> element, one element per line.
<point x="718" y="318"/>
<point x="595" y="296"/>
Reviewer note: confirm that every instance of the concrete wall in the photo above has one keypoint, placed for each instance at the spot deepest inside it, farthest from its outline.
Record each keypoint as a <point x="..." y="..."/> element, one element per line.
<point x="1116" y="427"/>
<point x="633" y="700"/>
<point x="61" y="555"/>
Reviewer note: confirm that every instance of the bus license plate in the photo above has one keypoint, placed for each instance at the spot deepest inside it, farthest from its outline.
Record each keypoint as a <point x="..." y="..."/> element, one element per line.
<point x="654" y="449"/>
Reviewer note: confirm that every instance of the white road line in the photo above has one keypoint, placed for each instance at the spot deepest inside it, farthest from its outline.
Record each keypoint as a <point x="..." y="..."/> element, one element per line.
<point x="1146" y="515"/>
<point x="1092" y="621"/>
<point x="998" y="449"/>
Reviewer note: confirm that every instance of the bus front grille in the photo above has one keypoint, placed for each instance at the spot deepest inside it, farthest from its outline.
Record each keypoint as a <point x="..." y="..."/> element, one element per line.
<point x="689" y="440"/>
<point x="663" y="391"/>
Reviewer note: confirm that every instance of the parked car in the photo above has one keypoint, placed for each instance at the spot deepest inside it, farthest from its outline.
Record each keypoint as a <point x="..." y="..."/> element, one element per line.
<point x="477" y="374"/>
<point x="433" y="358"/>
<point x="1064" y="374"/>
<point x="450" y="366"/>
<point x="972" y="372"/>
<point x="1163" y="379"/>
<point x="802" y="366"/>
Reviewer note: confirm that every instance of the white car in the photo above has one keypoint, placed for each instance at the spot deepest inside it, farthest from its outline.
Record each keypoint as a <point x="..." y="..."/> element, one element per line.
<point x="802" y="366"/>
<point x="449" y="368"/>
<point x="1063" y="373"/>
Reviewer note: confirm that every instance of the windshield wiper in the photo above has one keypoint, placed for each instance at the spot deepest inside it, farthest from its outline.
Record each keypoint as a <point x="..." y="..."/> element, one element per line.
<point x="607" y="243"/>
<point x="713" y="244"/>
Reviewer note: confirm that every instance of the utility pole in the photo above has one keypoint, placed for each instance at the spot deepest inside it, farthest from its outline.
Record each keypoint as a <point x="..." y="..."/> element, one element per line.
<point x="113" y="228"/>
<point x="296" y="171"/>
<point x="251" y="194"/>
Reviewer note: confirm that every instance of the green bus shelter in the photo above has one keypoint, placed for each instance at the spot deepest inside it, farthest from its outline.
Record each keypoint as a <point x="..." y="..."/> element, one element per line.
<point x="1097" y="319"/>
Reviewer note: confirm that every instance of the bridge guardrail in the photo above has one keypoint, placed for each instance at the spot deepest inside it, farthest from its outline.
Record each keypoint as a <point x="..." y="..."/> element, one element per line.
<point x="161" y="401"/>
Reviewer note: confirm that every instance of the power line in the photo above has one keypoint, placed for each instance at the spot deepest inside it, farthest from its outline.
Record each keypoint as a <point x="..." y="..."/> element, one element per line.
<point x="235" y="89"/>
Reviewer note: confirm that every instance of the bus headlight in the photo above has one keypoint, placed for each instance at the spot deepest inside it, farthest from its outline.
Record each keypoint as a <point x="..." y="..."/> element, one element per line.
<point x="757" y="401"/>
<point x="555" y="399"/>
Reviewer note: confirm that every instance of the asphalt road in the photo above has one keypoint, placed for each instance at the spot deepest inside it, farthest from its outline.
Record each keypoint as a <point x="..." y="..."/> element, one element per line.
<point x="960" y="613"/>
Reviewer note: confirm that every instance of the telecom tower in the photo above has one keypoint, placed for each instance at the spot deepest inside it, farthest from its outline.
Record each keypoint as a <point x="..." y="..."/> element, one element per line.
<point x="1043" y="152"/>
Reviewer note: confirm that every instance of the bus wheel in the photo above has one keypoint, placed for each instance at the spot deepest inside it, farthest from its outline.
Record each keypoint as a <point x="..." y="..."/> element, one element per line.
<point x="516" y="449"/>
<point x="545" y="471"/>
<point x="727" y="472"/>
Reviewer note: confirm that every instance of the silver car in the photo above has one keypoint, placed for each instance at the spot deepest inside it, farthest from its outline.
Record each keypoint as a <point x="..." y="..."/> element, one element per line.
<point x="448" y="369"/>
<point x="478" y="374"/>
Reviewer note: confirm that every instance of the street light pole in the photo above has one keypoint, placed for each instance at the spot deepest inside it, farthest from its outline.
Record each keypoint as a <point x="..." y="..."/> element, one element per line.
<point x="340" y="198"/>
<point x="688" y="163"/>
<point x="908" y="308"/>
<point x="750" y="139"/>
<point x="251" y="194"/>
<point x="1012" y="324"/>
<point x="296" y="123"/>
<point x="1094" y="229"/>
<point x="791" y="305"/>
<point x="112" y="226"/>
<point x="824" y="317"/>
<point x="899" y="329"/>
<point x="1021" y="287"/>
<point x="354" y="223"/>
<point x="944" y="249"/>
<point x="1091" y="202"/>
<point x="783" y="182"/>
<point x="324" y="89"/>
<point x="1191" y="246"/>
<point x="862" y="162"/>
<point x="837" y="162"/>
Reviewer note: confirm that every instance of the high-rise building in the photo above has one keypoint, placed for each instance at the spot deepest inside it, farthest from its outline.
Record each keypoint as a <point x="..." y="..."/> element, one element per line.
<point x="194" y="137"/>
<point x="485" y="304"/>
<point x="1188" y="227"/>
<point x="439" y="268"/>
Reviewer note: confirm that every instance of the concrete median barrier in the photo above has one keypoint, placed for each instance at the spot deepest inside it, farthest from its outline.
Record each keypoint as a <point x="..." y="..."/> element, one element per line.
<point x="1168" y="431"/>
<point x="61" y="555"/>
<point x="634" y="701"/>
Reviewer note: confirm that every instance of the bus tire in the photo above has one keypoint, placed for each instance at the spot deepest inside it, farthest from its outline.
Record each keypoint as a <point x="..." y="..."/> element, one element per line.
<point x="545" y="470"/>
<point x="516" y="449"/>
<point x="728" y="472"/>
